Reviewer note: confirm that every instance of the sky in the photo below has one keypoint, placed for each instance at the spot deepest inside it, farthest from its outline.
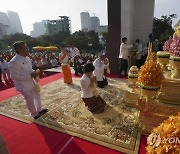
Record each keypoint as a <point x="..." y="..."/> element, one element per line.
<point x="31" y="11"/>
<point x="167" y="7"/>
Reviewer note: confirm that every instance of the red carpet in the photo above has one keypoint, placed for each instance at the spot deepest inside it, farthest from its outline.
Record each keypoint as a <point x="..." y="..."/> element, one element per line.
<point x="9" y="127"/>
<point x="32" y="138"/>
<point x="8" y="93"/>
<point x="35" y="139"/>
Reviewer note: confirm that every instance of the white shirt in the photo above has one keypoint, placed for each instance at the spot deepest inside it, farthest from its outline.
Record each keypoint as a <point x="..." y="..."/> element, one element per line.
<point x="86" y="90"/>
<point x="139" y="51"/>
<point x="65" y="60"/>
<point x="20" y="71"/>
<point x="99" y="70"/>
<point x="54" y="62"/>
<point x="124" y="51"/>
<point x="74" y="51"/>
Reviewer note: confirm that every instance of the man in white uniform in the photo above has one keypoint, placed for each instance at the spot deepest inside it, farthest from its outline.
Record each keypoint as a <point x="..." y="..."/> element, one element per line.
<point x="99" y="65"/>
<point x="23" y="76"/>
<point x="123" y="56"/>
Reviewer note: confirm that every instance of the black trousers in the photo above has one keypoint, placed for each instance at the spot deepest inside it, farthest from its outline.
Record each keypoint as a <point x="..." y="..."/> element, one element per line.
<point x="139" y="63"/>
<point x="102" y="84"/>
<point x="78" y="71"/>
<point x="143" y="59"/>
<point x="123" y="66"/>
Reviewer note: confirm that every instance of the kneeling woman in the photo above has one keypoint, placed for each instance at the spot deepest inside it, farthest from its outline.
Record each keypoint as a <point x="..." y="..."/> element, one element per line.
<point x="64" y="60"/>
<point x="94" y="102"/>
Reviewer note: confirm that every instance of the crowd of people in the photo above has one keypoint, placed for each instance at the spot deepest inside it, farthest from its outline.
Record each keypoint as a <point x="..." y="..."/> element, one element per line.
<point x="46" y="60"/>
<point x="21" y="64"/>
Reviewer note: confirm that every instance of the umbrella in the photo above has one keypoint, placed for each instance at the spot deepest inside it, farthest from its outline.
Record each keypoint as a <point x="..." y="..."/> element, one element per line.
<point x="51" y="48"/>
<point x="39" y="48"/>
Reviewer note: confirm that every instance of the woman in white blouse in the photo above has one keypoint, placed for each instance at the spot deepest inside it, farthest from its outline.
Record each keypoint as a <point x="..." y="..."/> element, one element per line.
<point x="93" y="101"/>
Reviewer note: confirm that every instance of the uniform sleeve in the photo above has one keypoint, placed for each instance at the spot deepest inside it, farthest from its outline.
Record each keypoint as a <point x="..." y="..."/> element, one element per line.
<point x="15" y="72"/>
<point x="127" y="46"/>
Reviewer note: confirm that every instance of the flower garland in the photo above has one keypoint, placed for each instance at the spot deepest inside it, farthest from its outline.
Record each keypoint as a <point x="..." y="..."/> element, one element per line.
<point x="175" y="47"/>
<point x="167" y="44"/>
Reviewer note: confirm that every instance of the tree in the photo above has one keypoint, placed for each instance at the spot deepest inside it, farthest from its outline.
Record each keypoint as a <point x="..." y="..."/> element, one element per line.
<point x="162" y="28"/>
<point x="84" y="40"/>
<point x="59" y="37"/>
<point x="3" y="46"/>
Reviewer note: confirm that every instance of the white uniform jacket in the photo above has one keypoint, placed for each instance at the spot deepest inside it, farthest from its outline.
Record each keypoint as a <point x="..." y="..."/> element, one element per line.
<point x="20" y="71"/>
<point x="86" y="90"/>
<point x="99" y="70"/>
<point x="124" y="51"/>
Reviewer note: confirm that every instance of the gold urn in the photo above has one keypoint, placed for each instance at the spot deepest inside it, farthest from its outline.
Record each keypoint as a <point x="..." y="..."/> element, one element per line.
<point x="163" y="59"/>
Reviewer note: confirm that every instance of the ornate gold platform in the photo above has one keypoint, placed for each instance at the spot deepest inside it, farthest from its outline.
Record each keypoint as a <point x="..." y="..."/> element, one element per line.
<point x="170" y="90"/>
<point x="130" y="98"/>
<point x="155" y="113"/>
<point x="131" y="93"/>
<point x="158" y="107"/>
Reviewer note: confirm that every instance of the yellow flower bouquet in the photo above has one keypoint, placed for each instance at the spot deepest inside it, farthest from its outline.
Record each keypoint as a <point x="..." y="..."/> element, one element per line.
<point x="165" y="139"/>
<point x="150" y="75"/>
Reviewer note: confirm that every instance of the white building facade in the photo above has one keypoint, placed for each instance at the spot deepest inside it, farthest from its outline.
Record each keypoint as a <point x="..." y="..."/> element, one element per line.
<point x="85" y="21"/>
<point x="15" y="23"/>
<point x="95" y="23"/>
<point x="4" y="25"/>
<point x="38" y="29"/>
<point x="137" y="19"/>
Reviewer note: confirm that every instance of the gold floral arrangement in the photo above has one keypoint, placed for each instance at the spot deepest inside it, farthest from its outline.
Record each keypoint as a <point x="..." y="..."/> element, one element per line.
<point x="151" y="73"/>
<point x="169" y="129"/>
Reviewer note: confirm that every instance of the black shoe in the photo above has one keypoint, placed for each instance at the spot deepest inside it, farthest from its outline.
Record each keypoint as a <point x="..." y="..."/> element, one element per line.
<point x="43" y="111"/>
<point x="36" y="117"/>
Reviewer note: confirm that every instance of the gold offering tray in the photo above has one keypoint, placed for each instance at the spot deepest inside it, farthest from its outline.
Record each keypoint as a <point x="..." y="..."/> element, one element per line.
<point x="155" y="106"/>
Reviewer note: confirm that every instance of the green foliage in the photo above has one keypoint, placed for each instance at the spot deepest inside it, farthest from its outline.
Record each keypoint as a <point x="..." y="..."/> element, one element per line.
<point x="3" y="46"/>
<point x="162" y="28"/>
<point x="104" y="34"/>
<point x="82" y="40"/>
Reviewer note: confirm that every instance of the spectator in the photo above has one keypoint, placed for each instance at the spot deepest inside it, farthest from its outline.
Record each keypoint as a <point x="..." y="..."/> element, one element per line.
<point x="99" y="65"/>
<point x="123" y="56"/>
<point x="24" y="79"/>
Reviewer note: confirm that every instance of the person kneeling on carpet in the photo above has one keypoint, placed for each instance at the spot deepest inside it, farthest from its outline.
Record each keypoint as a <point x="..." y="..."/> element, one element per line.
<point x="99" y="65"/>
<point x="89" y="94"/>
